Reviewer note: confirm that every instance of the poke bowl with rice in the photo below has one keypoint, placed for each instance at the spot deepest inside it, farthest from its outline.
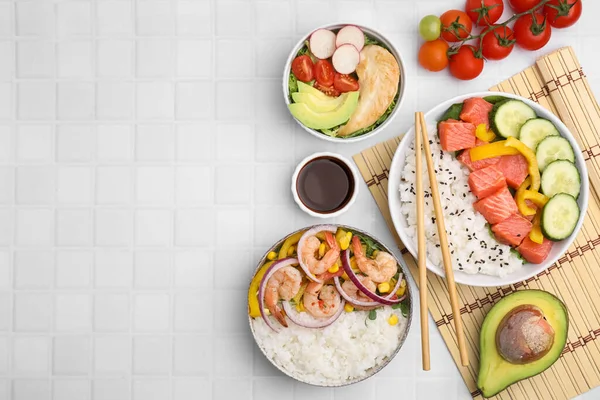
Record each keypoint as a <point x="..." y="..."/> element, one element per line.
<point x="329" y="305"/>
<point x="513" y="187"/>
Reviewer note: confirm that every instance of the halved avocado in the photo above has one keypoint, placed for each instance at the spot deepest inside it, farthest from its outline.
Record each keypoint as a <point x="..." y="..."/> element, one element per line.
<point x="306" y="88"/>
<point x="318" y="104"/>
<point x="500" y="365"/>
<point x="326" y="120"/>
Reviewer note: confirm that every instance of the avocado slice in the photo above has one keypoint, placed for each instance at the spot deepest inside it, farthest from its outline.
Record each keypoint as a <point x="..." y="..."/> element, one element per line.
<point x="306" y="88"/>
<point x="318" y="104"/>
<point x="325" y="120"/>
<point x="540" y="339"/>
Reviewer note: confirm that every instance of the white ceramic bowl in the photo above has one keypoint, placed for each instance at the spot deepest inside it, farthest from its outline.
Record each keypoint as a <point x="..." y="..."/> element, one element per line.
<point x="528" y="270"/>
<point x="295" y="188"/>
<point x="401" y="86"/>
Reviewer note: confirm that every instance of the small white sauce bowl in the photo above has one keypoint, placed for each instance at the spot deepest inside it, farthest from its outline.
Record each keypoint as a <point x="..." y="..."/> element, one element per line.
<point x="348" y="204"/>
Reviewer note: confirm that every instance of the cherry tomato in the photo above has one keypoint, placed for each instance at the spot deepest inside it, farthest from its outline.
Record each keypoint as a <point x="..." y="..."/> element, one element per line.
<point x="532" y="34"/>
<point x="464" y="65"/>
<point x="328" y="90"/>
<point x="523" y="5"/>
<point x="302" y="67"/>
<point x="432" y="55"/>
<point x="498" y="43"/>
<point x="324" y="72"/>
<point x="455" y="23"/>
<point x="344" y="83"/>
<point x="484" y="12"/>
<point x="563" y="13"/>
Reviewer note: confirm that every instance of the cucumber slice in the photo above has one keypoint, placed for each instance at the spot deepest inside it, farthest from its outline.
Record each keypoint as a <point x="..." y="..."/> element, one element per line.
<point x="553" y="148"/>
<point x="535" y="130"/>
<point x="508" y="116"/>
<point x="561" y="177"/>
<point x="559" y="217"/>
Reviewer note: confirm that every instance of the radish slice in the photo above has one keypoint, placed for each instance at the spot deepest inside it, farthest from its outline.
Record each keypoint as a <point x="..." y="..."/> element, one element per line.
<point x="345" y="59"/>
<point x="350" y="34"/>
<point x="322" y="43"/>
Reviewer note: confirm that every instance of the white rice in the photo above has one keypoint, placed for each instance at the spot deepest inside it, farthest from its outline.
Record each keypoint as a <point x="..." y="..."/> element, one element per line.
<point x="334" y="355"/>
<point x="472" y="247"/>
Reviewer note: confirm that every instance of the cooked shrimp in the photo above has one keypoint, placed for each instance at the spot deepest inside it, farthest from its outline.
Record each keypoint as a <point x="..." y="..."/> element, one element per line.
<point x="309" y="251"/>
<point x="321" y="301"/>
<point x="381" y="269"/>
<point x="354" y="292"/>
<point x="284" y="284"/>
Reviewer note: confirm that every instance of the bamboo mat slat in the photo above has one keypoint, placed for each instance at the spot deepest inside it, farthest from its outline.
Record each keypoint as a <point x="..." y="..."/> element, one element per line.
<point x="558" y="83"/>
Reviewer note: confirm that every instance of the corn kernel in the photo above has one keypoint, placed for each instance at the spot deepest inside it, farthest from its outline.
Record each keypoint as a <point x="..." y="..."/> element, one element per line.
<point x="383" y="287"/>
<point x="291" y="250"/>
<point x="375" y="252"/>
<point x="402" y="288"/>
<point x="353" y="263"/>
<point x="345" y="276"/>
<point x="393" y="319"/>
<point x="271" y="256"/>
<point x="267" y="312"/>
<point x="348" y="307"/>
<point x="300" y="306"/>
<point x="335" y="268"/>
<point x="321" y="250"/>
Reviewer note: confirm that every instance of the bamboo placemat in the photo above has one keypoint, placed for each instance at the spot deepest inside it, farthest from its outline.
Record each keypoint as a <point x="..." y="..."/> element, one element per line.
<point x="558" y="83"/>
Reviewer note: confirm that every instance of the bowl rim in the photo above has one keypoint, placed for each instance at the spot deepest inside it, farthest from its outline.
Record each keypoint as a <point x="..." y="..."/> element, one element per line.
<point x="401" y="86"/>
<point x="482" y="280"/>
<point x="404" y="269"/>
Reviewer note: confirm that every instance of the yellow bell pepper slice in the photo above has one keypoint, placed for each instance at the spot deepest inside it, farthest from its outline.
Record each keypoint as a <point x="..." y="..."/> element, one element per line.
<point x="289" y="242"/>
<point x="253" y="306"/>
<point x="536" y="198"/>
<point x="520" y="198"/>
<point x="484" y="134"/>
<point x="300" y="293"/>
<point x="534" y="170"/>
<point x="536" y="231"/>
<point x="492" y="150"/>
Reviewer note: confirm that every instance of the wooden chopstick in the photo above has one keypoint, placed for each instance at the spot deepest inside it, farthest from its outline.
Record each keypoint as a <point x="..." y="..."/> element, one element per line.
<point x="422" y="256"/>
<point x="439" y="215"/>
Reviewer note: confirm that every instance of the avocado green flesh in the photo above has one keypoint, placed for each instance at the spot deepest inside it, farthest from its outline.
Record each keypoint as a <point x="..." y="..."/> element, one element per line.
<point x="317" y="104"/>
<point x="325" y="120"/>
<point x="306" y="88"/>
<point x="495" y="373"/>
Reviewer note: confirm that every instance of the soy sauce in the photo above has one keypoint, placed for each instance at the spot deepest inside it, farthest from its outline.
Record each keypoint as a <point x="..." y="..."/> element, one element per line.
<point x="325" y="184"/>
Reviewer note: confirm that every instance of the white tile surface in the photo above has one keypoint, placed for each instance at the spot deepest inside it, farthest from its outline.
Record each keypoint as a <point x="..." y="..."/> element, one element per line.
<point x="145" y="162"/>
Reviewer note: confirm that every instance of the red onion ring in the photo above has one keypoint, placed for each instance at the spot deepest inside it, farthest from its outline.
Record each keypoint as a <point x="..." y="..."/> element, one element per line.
<point x="316" y="322"/>
<point x="276" y="266"/>
<point x="311" y="232"/>
<point x="350" y="300"/>
<point x="373" y="296"/>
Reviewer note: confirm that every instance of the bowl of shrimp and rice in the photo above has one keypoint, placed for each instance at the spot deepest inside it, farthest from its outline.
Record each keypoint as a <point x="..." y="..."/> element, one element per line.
<point x="330" y="305"/>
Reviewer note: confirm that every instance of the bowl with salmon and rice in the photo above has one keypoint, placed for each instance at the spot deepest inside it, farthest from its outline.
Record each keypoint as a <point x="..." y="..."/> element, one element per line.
<point x="343" y="82"/>
<point x="513" y="186"/>
<point x="329" y="305"/>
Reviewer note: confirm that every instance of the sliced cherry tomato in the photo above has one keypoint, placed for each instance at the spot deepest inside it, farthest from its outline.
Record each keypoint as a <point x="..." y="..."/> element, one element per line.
<point x="456" y="25"/>
<point x="302" y="67"/>
<point x="464" y="64"/>
<point x="433" y="55"/>
<point x="523" y="5"/>
<point x="324" y="72"/>
<point x="345" y="83"/>
<point x="328" y="90"/>
<point x="563" y="13"/>
<point x="498" y="43"/>
<point x="484" y="12"/>
<point x="532" y="34"/>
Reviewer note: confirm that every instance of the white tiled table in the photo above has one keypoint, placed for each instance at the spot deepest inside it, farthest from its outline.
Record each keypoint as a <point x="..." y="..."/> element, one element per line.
<point x="145" y="163"/>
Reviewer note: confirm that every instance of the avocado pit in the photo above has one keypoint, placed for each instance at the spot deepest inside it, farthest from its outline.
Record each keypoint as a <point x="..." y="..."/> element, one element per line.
<point x="524" y="335"/>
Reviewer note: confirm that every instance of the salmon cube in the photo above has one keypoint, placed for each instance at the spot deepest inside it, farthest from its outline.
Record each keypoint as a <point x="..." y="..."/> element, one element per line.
<point x="512" y="230"/>
<point x="497" y="207"/>
<point x="486" y="181"/>
<point x="533" y="252"/>
<point x="465" y="158"/>
<point x="530" y="204"/>
<point x="514" y="168"/>
<point x="456" y="135"/>
<point x="476" y="111"/>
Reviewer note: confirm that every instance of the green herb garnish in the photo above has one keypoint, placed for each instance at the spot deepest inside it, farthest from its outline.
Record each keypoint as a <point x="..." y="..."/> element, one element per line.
<point x="516" y="253"/>
<point x="403" y="306"/>
<point x="370" y="243"/>
<point x="372" y="315"/>
<point x="293" y="83"/>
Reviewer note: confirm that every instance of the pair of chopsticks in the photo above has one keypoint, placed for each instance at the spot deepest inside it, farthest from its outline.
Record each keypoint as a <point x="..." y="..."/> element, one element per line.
<point x="421" y="136"/>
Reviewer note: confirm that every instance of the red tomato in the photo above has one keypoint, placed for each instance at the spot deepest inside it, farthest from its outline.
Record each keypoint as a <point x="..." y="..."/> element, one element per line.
<point x="324" y="72"/>
<point x="455" y="23"/>
<point x="464" y="64"/>
<point x="563" y="13"/>
<point x="530" y="33"/>
<point x="302" y="67"/>
<point x="484" y="12"/>
<point x="498" y="43"/>
<point x="523" y="5"/>
<point x="344" y="83"/>
<point x="433" y="55"/>
<point x="328" y="90"/>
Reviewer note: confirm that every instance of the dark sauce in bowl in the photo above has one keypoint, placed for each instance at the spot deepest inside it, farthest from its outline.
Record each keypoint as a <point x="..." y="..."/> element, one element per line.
<point x="325" y="184"/>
